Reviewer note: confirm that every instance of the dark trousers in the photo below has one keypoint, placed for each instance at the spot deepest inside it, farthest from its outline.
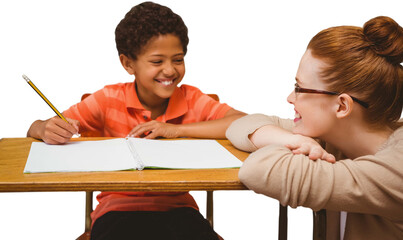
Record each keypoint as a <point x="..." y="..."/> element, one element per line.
<point x="177" y="224"/>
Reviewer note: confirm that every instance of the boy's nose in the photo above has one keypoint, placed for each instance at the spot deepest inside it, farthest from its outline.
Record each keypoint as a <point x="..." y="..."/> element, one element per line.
<point x="168" y="70"/>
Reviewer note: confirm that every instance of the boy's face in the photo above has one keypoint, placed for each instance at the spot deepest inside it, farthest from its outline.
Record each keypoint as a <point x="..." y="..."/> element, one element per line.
<point x="159" y="68"/>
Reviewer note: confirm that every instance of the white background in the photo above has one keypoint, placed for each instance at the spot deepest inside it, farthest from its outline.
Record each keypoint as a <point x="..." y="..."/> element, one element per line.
<point x="245" y="51"/>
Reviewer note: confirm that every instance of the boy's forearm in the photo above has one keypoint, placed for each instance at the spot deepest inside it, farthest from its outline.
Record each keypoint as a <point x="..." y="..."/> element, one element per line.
<point x="209" y="129"/>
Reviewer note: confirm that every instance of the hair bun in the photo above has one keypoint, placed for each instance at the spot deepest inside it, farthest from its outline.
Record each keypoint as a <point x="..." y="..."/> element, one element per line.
<point x="386" y="37"/>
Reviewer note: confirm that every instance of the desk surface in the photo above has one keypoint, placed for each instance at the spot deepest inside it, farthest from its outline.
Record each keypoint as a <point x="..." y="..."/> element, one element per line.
<point x="14" y="153"/>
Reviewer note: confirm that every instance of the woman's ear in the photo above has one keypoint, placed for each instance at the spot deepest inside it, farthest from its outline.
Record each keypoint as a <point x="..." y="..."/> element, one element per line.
<point x="345" y="105"/>
<point x="127" y="63"/>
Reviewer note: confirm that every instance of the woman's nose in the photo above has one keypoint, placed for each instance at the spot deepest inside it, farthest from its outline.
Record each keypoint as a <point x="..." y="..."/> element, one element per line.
<point x="291" y="97"/>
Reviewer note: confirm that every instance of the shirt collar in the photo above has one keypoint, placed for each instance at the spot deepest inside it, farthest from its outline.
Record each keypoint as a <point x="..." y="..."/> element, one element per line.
<point x="132" y="100"/>
<point x="177" y="105"/>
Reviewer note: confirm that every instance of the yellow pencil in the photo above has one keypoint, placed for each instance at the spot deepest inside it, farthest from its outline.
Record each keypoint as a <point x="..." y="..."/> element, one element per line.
<point x="43" y="97"/>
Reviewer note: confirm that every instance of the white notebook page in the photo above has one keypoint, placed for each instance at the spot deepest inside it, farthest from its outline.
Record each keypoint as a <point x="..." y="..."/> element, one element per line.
<point x="115" y="154"/>
<point x="105" y="155"/>
<point x="184" y="154"/>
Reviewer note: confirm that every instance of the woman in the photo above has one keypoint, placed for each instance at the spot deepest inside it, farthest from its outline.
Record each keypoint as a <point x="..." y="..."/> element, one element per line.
<point x="349" y="96"/>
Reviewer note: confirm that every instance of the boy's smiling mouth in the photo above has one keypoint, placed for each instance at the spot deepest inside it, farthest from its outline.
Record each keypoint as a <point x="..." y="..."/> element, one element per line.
<point x="166" y="82"/>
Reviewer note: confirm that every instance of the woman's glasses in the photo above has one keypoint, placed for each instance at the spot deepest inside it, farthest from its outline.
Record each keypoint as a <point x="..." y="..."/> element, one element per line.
<point x="299" y="89"/>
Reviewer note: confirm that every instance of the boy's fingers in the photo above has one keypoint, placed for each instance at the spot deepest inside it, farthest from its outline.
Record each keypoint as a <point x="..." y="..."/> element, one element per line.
<point x="75" y="124"/>
<point x="131" y="132"/>
<point x="53" y="138"/>
<point x="139" y="130"/>
<point x="65" y="129"/>
<point x="151" y="135"/>
<point x="135" y="130"/>
<point x="51" y="126"/>
<point x="143" y="128"/>
<point x="60" y="139"/>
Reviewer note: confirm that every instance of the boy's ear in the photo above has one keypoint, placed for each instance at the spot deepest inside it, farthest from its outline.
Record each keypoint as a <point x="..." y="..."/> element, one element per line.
<point x="345" y="105"/>
<point x="127" y="63"/>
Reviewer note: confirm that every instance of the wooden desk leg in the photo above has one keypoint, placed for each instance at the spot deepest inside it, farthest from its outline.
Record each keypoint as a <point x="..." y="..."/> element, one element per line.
<point x="209" y="210"/>
<point x="88" y="210"/>
<point x="282" y="222"/>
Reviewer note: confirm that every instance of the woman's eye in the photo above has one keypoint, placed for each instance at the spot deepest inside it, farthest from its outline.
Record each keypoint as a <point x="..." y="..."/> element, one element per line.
<point x="156" y="62"/>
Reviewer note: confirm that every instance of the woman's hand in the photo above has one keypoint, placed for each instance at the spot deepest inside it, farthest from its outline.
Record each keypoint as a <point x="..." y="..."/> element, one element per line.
<point x="311" y="148"/>
<point x="154" y="129"/>
<point x="298" y="144"/>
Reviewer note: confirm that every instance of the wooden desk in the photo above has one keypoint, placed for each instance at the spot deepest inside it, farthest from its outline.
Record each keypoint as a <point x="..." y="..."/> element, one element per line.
<point x="14" y="153"/>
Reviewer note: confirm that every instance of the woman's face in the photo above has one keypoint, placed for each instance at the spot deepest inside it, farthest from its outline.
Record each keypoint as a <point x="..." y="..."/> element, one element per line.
<point x="313" y="112"/>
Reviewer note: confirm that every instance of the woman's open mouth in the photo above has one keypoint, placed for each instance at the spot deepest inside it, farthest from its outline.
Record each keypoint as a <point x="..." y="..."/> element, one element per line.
<point x="297" y="117"/>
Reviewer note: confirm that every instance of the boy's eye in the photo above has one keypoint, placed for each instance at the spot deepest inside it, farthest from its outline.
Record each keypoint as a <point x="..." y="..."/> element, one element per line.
<point x="156" y="62"/>
<point x="179" y="60"/>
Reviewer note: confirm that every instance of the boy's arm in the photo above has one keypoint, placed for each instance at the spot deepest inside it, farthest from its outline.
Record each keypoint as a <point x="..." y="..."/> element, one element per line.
<point x="210" y="129"/>
<point x="54" y="130"/>
<point x="206" y="129"/>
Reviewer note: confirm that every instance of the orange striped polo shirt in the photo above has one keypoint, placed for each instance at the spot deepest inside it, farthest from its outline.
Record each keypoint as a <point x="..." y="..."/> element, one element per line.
<point x="114" y="110"/>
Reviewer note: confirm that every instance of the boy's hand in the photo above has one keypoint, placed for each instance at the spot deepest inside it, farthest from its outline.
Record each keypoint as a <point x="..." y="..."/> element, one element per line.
<point x="155" y="129"/>
<point x="54" y="130"/>
<point x="311" y="148"/>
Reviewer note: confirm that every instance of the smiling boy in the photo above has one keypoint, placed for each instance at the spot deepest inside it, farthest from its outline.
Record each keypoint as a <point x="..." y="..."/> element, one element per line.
<point x="152" y="43"/>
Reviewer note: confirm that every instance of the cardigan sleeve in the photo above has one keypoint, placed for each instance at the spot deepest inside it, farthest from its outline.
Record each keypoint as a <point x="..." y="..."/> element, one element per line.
<point x="370" y="184"/>
<point x="239" y="130"/>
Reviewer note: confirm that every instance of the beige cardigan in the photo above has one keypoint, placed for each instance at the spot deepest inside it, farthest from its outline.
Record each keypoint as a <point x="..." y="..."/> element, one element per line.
<point x="369" y="188"/>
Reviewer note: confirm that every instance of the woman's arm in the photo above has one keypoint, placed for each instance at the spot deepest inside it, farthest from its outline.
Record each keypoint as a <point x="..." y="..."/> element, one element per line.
<point x="256" y="131"/>
<point x="273" y="135"/>
<point x="368" y="184"/>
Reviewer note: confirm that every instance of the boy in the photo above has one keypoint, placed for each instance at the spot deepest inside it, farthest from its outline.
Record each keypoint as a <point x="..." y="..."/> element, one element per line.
<point x="151" y="42"/>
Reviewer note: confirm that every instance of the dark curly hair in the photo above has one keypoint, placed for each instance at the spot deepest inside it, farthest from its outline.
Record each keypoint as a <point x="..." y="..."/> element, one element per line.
<point x="145" y="21"/>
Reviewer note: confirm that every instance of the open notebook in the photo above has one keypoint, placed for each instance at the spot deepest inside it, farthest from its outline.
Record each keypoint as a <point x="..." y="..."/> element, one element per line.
<point x="128" y="154"/>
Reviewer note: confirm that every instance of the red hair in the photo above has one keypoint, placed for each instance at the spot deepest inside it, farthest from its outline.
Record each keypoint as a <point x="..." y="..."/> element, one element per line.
<point x="365" y="62"/>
